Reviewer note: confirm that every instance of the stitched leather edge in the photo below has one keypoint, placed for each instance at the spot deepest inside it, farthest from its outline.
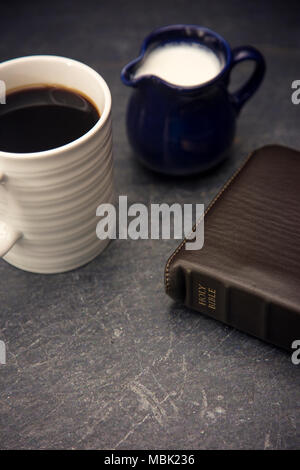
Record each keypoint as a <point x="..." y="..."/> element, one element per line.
<point x="178" y="249"/>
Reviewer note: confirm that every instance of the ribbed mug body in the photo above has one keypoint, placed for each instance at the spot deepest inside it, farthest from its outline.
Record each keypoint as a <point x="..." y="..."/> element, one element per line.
<point x="51" y="197"/>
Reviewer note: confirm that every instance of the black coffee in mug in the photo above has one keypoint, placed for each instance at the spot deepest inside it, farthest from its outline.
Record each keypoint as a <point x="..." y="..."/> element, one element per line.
<point x="45" y="117"/>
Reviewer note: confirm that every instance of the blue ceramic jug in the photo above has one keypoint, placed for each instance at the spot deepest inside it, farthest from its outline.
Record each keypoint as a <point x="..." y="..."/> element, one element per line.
<point x="184" y="130"/>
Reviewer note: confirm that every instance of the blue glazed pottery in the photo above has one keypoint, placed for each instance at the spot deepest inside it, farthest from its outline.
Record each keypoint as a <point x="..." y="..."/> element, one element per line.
<point x="185" y="130"/>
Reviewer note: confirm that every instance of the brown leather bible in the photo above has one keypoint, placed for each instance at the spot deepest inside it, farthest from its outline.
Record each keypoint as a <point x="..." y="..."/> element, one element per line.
<point x="248" y="272"/>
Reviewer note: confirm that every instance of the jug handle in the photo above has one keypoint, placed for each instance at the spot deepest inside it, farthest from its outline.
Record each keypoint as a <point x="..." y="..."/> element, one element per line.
<point x="240" y="54"/>
<point x="8" y="235"/>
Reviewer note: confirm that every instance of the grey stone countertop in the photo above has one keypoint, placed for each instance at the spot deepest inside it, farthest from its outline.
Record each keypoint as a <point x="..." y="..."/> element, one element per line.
<point x="100" y="357"/>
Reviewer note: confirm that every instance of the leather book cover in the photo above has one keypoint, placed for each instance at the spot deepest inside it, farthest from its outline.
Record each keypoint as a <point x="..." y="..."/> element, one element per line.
<point x="247" y="274"/>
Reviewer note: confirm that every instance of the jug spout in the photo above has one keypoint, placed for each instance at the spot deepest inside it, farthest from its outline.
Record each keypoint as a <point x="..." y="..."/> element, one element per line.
<point x="128" y="73"/>
<point x="130" y="77"/>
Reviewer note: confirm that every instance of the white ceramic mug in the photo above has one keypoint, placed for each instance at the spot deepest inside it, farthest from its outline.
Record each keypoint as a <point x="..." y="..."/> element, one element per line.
<point x="48" y="199"/>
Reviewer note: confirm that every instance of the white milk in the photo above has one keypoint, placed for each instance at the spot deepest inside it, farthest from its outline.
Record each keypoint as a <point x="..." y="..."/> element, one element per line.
<point x="183" y="64"/>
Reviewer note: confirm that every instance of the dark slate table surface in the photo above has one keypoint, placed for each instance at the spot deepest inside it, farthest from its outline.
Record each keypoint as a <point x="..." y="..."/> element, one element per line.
<point x="100" y="357"/>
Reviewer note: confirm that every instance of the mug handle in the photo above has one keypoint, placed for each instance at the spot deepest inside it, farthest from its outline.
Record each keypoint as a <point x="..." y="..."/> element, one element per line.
<point x="8" y="235"/>
<point x="239" y="54"/>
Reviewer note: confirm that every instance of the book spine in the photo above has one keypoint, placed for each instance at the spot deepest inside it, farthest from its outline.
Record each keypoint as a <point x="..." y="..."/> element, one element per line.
<point x="237" y="307"/>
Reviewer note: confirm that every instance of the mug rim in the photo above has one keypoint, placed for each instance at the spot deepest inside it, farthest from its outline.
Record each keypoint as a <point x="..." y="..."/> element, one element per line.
<point x="170" y="28"/>
<point x="80" y="140"/>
